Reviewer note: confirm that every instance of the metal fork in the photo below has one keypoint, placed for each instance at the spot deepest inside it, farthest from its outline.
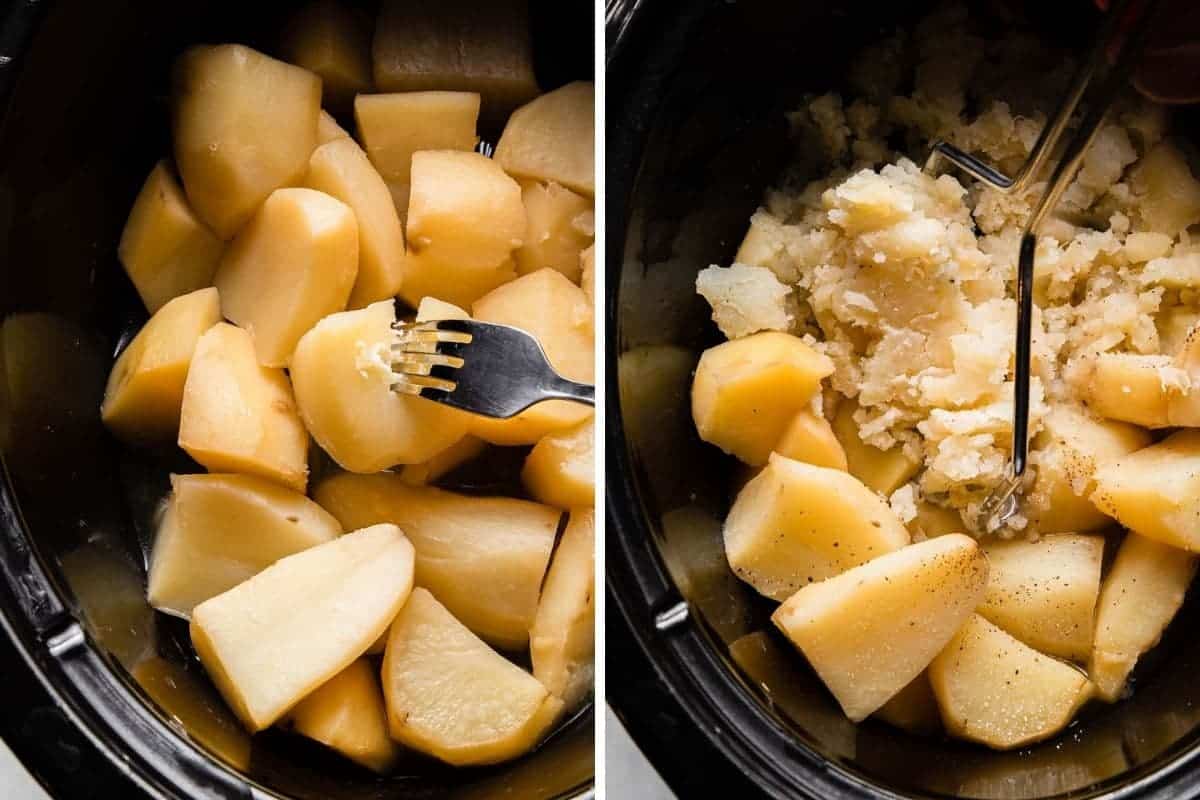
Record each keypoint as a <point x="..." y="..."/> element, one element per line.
<point x="480" y="367"/>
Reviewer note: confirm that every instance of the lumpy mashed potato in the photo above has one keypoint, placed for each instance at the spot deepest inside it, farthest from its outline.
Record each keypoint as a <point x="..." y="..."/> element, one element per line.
<point x="906" y="280"/>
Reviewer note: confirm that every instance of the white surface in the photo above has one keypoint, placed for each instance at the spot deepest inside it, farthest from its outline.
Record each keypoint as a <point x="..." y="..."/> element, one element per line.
<point x="15" y="782"/>
<point x="628" y="775"/>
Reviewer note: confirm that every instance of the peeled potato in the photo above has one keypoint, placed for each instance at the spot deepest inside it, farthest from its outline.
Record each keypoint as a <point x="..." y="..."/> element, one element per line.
<point x="294" y="263"/>
<point x="747" y="391"/>
<point x="330" y="40"/>
<point x="555" y="311"/>
<point x="996" y="691"/>
<point x="347" y="713"/>
<point x="932" y="520"/>
<point x="553" y="139"/>
<point x="244" y="125"/>
<point x="809" y="438"/>
<point x="451" y="696"/>
<point x="144" y="396"/>
<point x="341" y="169"/>
<point x="1134" y="388"/>
<point x="1141" y="593"/>
<point x="560" y="470"/>
<point x="269" y="642"/>
<point x="239" y="416"/>
<point x="465" y="449"/>
<point x="587" y="266"/>
<point x="328" y="129"/>
<point x="1156" y="491"/>
<point x="795" y="523"/>
<point x="394" y="126"/>
<point x="219" y="530"/>
<point x="342" y="375"/>
<point x="870" y="631"/>
<point x="885" y="471"/>
<point x="165" y="248"/>
<point x="559" y="226"/>
<point x="562" y="639"/>
<point x="1168" y="193"/>
<point x="914" y="708"/>
<point x="484" y="557"/>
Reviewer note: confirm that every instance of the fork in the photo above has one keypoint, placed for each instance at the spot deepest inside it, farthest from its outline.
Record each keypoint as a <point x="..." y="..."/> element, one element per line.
<point x="481" y="367"/>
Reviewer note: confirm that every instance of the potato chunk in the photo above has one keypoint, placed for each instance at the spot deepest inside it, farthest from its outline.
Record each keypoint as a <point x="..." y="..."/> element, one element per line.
<point x="294" y="263"/>
<point x="270" y="641"/>
<point x="559" y="226"/>
<point x="560" y="470"/>
<point x="809" y="438"/>
<point x="795" y="523"/>
<point x="885" y="471"/>
<point x="328" y="129"/>
<point x="165" y="248"/>
<point x="1135" y="388"/>
<point x="913" y="708"/>
<point x="342" y="374"/>
<point x="1141" y="593"/>
<point x="1156" y="491"/>
<point x="244" y="125"/>
<point x="465" y="218"/>
<point x="239" y="416"/>
<point x="555" y="311"/>
<point x="562" y="640"/>
<point x="996" y="691"/>
<point x="1069" y="447"/>
<point x="144" y="395"/>
<point x="451" y="696"/>
<point x="219" y="530"/>
<point x="933" y="520"/>
<point x="1044" y="592"/>
<point x="331" y="41"/>
<point x="553" y="139"/>
<point x="465" y="449"/>
<point x="341" y="169"/>
<point x="484" y="557"/>
<point x="747" y="391"/>
<point x="394" y="126"/>
<point x="587" y="267"/>
<point x="870" y="631"/>
<point x="1167" y="194"/>
<point x="347" y="713"/>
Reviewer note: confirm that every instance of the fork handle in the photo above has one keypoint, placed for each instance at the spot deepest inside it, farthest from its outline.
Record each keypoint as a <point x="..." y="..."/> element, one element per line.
<point x="564" y="389"/>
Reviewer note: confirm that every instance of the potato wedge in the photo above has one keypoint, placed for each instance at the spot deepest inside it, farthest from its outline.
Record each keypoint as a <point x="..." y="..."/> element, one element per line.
<point x="347" y="714"/>
<point x="244" y="126"/>
<point x="333" y="42"/>
<point x="552" y="138"/>
<point x="994" y="690"/>
<point x="451" y="696"/>
<point x="394" y="126"/>
<point x="294" y="263"/>
<point x="933" y="520"/>
<point x="810" y="438"/>
<point x="914" y="708"/>
<point x="1156" y="491"/>
<point x="560" y="470"/>
<point x="795" y="523"/>
<point x="1135" y="388"/>
<point x="239" y="416"/>
<point x="484" y="557"/>
<point x="562" y="639"/>
<point x="885" y="471"/>
<point x="468" y="448"/>
<point x="165" y="248"/>
<point x="559" y="226"/>
<point x="269" y="642"/>
<point x="328" y="129"/>
<point x="220" y="530"/>
<point x="1141" y="593"/>
<point x="747" y="391"/>
<point x="144" y="395"/>
<point x="873" y="629"/>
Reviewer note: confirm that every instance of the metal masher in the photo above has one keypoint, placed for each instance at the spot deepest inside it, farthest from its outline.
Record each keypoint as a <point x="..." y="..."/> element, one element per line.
<point x="1095" y="86"/>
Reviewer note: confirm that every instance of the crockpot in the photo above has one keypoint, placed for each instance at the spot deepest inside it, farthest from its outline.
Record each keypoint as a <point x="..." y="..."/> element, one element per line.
<point x="696" y="99"/>
<point x="102" y="697"/>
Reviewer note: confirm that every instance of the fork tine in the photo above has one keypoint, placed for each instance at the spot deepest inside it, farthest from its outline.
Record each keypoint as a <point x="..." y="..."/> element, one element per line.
<point x="416" y="384"/>
<point x="414" y="363"/>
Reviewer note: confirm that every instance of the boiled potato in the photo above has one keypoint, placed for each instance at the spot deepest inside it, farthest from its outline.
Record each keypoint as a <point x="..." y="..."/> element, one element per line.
<point x="1184" y="409"/>
<point x="1069" y="447"/>
<point x="1141" y="593"/>
<point x="996" y="691"/>
<point x="465" y="218"/>
<point x="342" y="374"/>
<point x="587" y="268"/>
<point x="1156" y="491"/>
<point x="269" y="642"/>
<point x="562" y="639"/>
<point x="1044" y="592"/>
<point x="913" y="708"/>
<point x="809" y="438"/>
<point x="451" y="696"/>
<point x="885" y="471"/>
<point x="328" y="129"/>
<point x="1168" y="194"/>
<point x="933" y="520"/>
<point x="144" y="395"/>
<point x="457" y="44"/>
<point x="330" y="40"/>
<point x="244" y="125"/>
<point x="871" y="630"/>
<point x="465" y="449"/>
<point x="239" y="416"/>
<point x="484" y="557"/>
<point x="341" y="169"/>
<point x="394" y="126"/>
<point x="1174" y="323"/>
<point x="747" y="391"/>
<point x="796" y="523"/>
<point x="553" y="138"/>
<point x="347" y="713"/>
<point x="1134" y="388"/>
<point x="555" y="311"/>
<point x="294" y="263"/>
<point x="165" y="248"/>
<point x="219" y="530"/>
<point x="560" y="470"/>
<point x="559" y="226"/>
